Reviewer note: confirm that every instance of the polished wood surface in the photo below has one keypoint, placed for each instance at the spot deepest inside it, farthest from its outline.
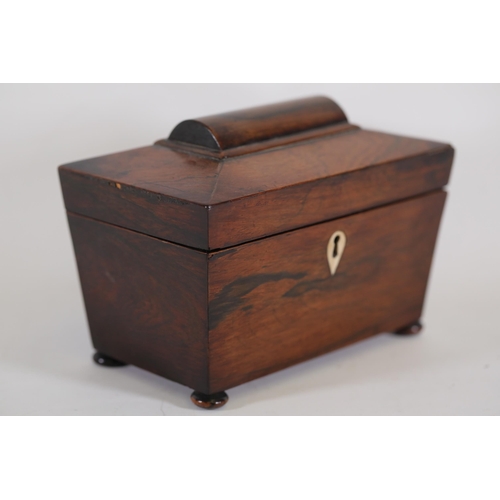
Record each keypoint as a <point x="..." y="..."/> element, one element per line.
<point x="411" y="329"/>
<point x="341" y="185"/>
<point x="209" y="401"/>
<point x="145" y="300"/>
<point x="273" y="302"/>
<point x="213" y="321"/>
<point x="126" y="190"/>
<point x="104" y="360"/>
<point x="211" y="204"/>
<point x="239" y="128"/>
<point x="203" y="258"/>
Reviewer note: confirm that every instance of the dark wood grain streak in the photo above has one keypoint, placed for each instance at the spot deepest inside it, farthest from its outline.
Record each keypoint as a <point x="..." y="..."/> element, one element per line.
<point x="379" y="286"/>
<point x="146" y="300"/>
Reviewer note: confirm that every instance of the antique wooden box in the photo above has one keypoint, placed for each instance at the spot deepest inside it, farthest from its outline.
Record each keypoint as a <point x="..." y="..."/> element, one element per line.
<point x="250" y="241"/>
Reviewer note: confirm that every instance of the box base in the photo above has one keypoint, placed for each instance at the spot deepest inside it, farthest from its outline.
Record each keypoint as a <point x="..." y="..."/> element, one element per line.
<point x="219" y="399"/>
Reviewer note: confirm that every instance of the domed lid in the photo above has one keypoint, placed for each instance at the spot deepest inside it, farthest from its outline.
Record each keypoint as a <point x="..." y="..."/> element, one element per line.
<point x="223" y="180"/>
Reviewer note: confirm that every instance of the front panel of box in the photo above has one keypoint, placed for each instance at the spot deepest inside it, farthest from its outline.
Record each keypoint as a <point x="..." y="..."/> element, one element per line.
<point x="275" y="302"/>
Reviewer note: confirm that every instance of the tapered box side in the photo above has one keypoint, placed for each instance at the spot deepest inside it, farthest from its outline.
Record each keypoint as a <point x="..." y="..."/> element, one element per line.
<point x="274" y="302"/>
<point x="146" y="300"/>
<point x="207" y="257"/>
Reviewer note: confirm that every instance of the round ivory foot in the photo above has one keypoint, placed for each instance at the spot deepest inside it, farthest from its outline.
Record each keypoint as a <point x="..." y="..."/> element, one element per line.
<point x="209" y="401"/>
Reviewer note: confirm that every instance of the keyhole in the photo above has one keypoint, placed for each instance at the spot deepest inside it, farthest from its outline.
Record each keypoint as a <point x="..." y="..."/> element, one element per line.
<point x="335" y="249"/>
<point x="335" y="246"/>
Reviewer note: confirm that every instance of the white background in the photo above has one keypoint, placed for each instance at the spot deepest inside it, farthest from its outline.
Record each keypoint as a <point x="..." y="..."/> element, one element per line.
<point x="453" y="368"/>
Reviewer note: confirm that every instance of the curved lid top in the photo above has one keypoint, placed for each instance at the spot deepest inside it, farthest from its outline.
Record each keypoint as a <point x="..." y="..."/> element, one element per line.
<point x="227" y="179"/>
<point x="240" y="128"/>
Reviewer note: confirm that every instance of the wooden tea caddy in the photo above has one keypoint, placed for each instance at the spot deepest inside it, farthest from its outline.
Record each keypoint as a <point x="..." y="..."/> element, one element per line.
<point x="250" y="241"/>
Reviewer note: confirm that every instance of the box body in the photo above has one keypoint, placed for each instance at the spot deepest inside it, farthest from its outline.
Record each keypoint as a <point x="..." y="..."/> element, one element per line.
<point x="215" y="320"/>
<point x="273" y="302"/>
<point x="210" y="266"/>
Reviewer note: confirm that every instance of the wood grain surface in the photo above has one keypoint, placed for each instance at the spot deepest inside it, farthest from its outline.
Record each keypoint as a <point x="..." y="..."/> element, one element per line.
<point x="215" y="320"/>
<point x="341" y="186"/>
<point x="238" y="128"/>
<point x="210" y="204"/>
<point x="203" y="258"/>
<point x="146" y="300"/>
<point x="273" y="302"/>
<point x="137" y="190"/>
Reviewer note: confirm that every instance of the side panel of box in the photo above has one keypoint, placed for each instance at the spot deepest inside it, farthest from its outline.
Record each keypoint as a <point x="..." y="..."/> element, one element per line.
<point x="273" y="302"/>
<point x="146" y="300"/>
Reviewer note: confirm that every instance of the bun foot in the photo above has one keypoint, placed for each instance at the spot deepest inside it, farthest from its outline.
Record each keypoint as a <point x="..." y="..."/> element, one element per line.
<point x="103" y="360"/>
<point x="209" y="401"/>
<point x="411" y="329"/>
